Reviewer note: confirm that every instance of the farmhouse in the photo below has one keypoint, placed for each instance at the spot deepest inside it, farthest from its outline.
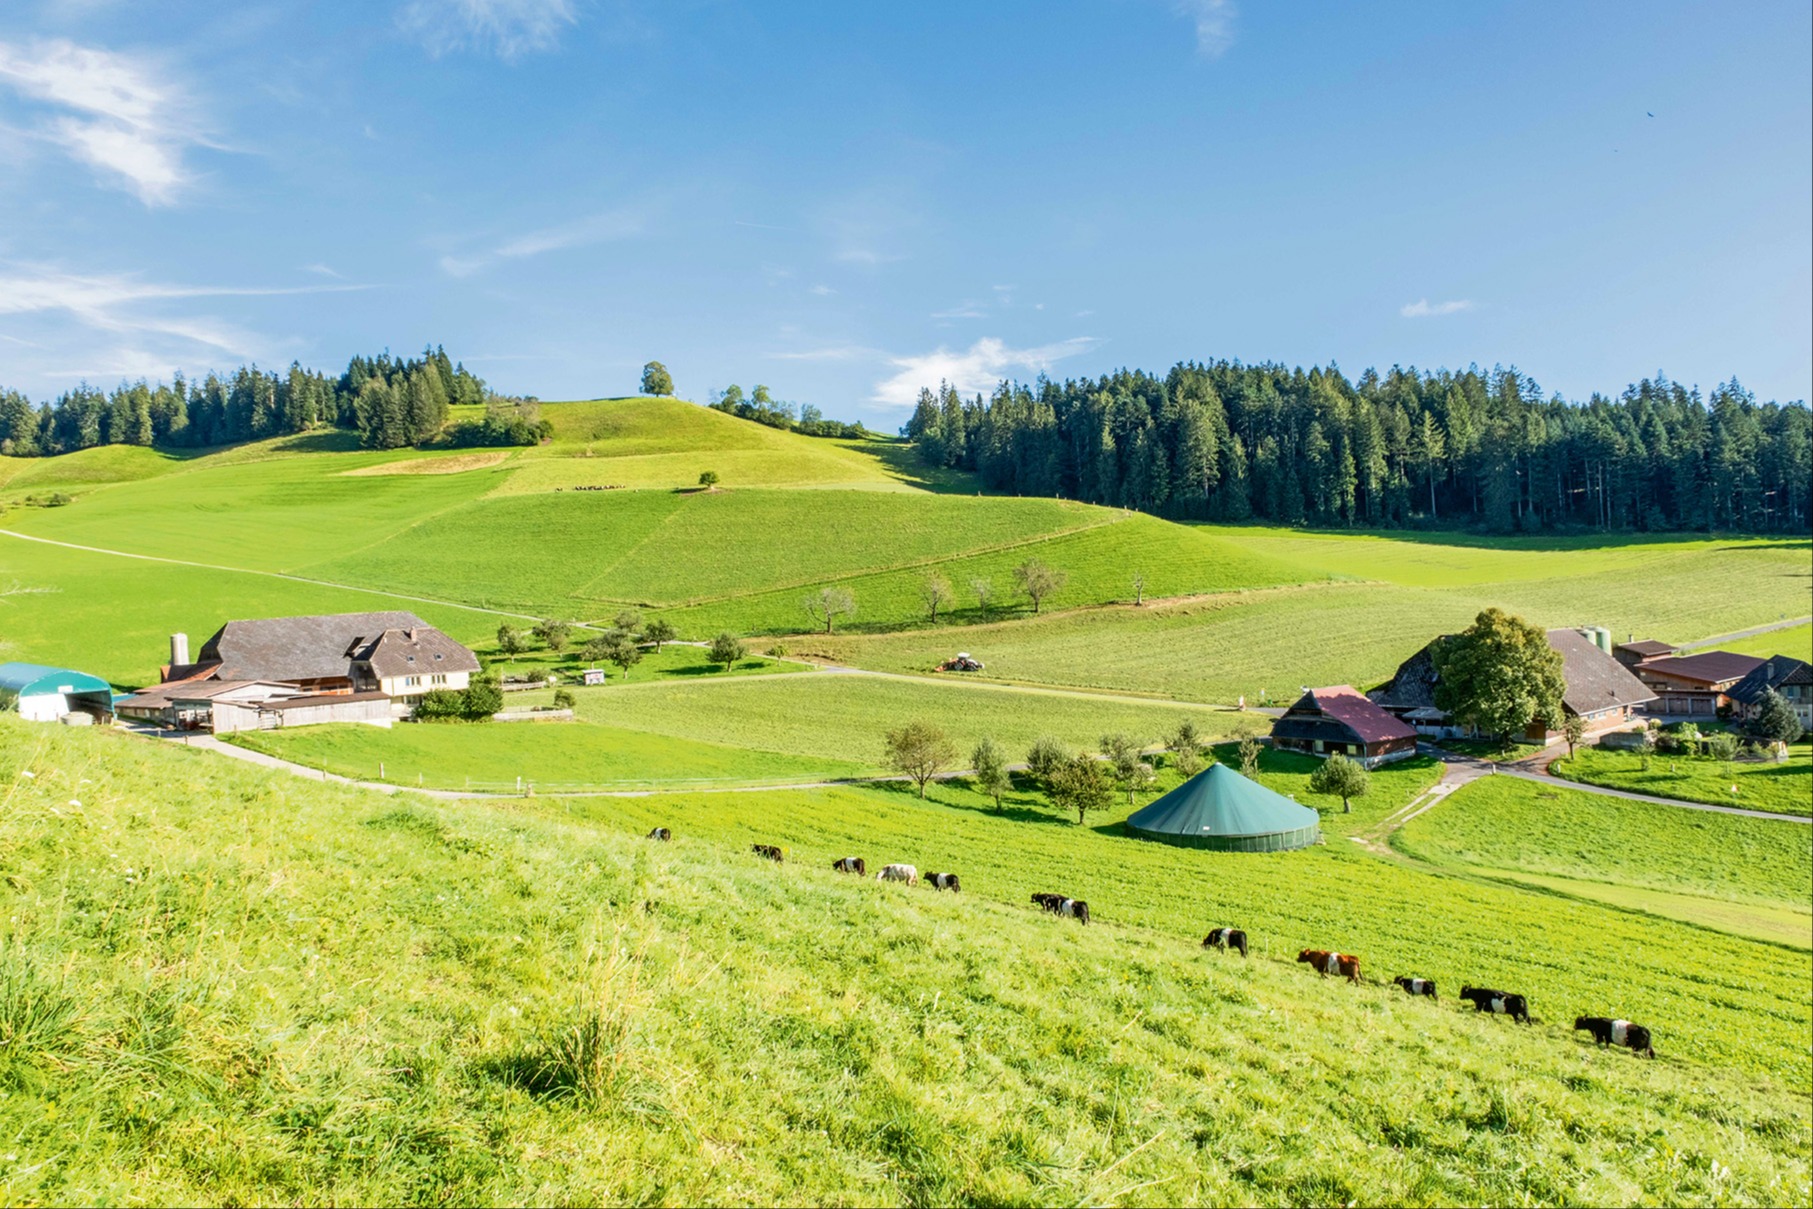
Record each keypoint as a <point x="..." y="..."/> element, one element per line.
<point x="288" y="671"/>
<point x="51" y="694"/>
<point x="1599" y="689"/>
<point x="1636" y="653"/>
<point x="1790" y="677"/>
<point x="1696" y="686"/>
<point x="1340" y="719"/>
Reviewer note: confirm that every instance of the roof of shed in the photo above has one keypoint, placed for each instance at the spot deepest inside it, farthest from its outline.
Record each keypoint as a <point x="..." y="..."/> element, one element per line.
<point x="1708" y="667"/>
<point x="20" y="679"/>
<point x="1348" y="706"/>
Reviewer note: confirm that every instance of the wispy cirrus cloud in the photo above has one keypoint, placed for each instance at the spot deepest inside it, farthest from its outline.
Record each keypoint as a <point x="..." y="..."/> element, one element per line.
<point x="838" y="352"/>
<point x="1422" y="308"/>
<point x="1214" y="21"/>
<point x="595" y="228"/>
<point x="123" y="115"/>
<point x="509" y="29"/>
<point x="975" y="370"/>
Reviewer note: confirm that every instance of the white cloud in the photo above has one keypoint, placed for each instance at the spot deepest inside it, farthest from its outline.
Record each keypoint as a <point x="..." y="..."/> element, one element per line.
<point x="842" y="352"/>
<point x="596" y="228"/>
<point x="963" y="310"/>
<point x="130" y="121"/>
<point x="822" y="290"/>
<point x="977" y="370"/>
<point x="507" y="28"/>
<point x="1422" y="308"/>
<point x="1214" y="20"/>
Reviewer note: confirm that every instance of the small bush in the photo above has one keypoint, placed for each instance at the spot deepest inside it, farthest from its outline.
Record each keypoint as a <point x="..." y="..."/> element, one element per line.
<point x="564" y="699"/>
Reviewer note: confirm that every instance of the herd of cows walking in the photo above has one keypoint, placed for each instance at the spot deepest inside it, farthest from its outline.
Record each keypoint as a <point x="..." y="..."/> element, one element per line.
<point x="1605" y="1029"/>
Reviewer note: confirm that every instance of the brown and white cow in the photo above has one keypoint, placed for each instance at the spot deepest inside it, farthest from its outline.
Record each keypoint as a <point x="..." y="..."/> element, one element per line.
<point x="662" y="834"/>
<point x="898" y="873"/>
<point x="1327" y="962"/>
<point x="1226" y="938"/>
<point x="850" y="864"/>
<point x="944" y="881"/>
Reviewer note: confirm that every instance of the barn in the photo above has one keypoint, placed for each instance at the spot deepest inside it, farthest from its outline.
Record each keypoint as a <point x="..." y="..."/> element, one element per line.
<point x="1340" y="719"/>
<point x="1221" y="810"/>
<point x="46" y="694"/>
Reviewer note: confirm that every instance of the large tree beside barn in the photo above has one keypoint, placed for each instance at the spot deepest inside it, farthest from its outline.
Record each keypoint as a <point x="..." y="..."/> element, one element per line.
<point x="1499" y="675"/>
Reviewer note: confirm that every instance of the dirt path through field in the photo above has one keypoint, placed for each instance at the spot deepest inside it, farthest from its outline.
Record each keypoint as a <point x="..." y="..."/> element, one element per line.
<point x="1788" y="624"/>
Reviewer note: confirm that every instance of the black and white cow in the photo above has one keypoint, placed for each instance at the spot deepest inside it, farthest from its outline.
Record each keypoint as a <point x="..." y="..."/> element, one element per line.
<point x="662" y="834"/>
<point x="1499" y="1002"/>
<point x="1607" y="1031"/>
<point x="770" y="851"/>
<point x="1069" y="908"/>
<point x="1048" y="901"/>
<point x="850" y="864"/>
<point x="1417" y="986"/>
<point x="1226" y="938"/>
<point x="944" y="881"/>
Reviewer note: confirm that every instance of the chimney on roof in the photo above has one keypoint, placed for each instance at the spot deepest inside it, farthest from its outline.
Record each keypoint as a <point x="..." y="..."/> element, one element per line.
<point x="179" y="649"/>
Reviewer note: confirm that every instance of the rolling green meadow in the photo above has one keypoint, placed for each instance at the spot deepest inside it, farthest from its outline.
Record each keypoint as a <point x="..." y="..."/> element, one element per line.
<point x="226" y="986"/>
<point x="226" y="983"/>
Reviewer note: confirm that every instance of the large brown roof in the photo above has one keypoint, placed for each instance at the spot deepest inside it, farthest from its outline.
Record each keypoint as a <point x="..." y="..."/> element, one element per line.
<point x="1348" y="706"/>
<point x="1594" y="681"/>
<point x="1771" y="673"/>
<point x="1710" y="667"/>
<point x="322" y="647"/>
<point x="414" y="652"/>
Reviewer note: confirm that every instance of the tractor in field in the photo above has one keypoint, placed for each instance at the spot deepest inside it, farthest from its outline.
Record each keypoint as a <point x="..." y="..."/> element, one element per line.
<point x="964" y="662"/>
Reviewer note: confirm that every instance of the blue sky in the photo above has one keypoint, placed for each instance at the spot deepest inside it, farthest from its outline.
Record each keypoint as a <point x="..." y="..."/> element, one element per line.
<point x="849" y="201"/>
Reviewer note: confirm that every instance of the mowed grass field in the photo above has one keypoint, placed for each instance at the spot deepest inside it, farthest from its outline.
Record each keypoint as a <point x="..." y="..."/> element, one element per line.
<point x="226" y="986"/>
<point x="1796" y="641"/>
<point x="1785" y="788"/>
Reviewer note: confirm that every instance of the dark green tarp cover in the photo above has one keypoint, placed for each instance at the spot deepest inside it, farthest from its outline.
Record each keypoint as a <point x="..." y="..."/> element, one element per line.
<point x="1218" y="808"/>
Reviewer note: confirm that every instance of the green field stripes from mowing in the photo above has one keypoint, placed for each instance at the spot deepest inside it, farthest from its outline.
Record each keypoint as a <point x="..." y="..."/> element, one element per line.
<point x="227" y="986"/>
<point x="1784" y="788"/>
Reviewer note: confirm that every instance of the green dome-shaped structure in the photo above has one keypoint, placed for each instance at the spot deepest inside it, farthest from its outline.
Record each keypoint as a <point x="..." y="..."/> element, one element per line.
<point x="1222" y="810"/>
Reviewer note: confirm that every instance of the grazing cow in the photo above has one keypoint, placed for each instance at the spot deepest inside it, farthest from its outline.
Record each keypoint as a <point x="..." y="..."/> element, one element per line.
<point x="662" y="834"/>
<point x="1048" y="901"/>
<point x="944" y="881"/>
<point x="1417" y="986"/>
<point x="1326" y="963"/>
<point x="898" y="873"/>
<point x="1226" y="938"/>
<point x="768" y="850"/>
<point x="1072" y="908"/>
<point x="850" y="864"/>
<point x="1607" y="1031"/>
<point x="1498" y="1002"/>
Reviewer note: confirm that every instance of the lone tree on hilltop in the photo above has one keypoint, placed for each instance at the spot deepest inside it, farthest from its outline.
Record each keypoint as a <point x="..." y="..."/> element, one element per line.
<point x="708" y="479"/>
<point x="1045" y="758"/>
<point x="658" y="631"/>
<point x="828" y="604"/>
<point x="1775" y="721"/>
<point x="936" y="592"/>
<point x="921" y="750"/>
<point x="1499" y="675"/>
<point x="656" y="380"/>
<point x="1342" y="778"/>
<point x="1079" y="785"/>
<point x="1038" y="581"/>
<point x="990" y="763"/>
<point x="726" y="649"/>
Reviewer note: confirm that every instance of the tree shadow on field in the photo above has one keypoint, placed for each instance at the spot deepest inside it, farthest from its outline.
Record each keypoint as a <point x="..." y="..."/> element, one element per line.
<point x="1022" y="811"/>
<point x="901" y="458"/>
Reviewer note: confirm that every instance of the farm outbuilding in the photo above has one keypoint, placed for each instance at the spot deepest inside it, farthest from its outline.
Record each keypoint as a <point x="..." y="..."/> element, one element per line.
<point x="46" y="694"/>
<point x="1221" y="810"/>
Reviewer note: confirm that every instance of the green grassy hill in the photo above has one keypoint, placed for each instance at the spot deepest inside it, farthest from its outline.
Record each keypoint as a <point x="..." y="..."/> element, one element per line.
<point x="222" y="986"/>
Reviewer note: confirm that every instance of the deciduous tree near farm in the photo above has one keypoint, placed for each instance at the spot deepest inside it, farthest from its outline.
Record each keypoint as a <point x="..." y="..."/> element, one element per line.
<point x="1249" y="757"/>
<point x="564" y="699"/>
<point x="1038" y="581"/>
<point x="628" y="620"/>
<point x="921" y="750"/>
<point x="1186" y="748"/>
<point x="990" y="763"/>
<point x="554" y="634"/>
<point x="1573" y="729"/>
<point x="726" y="649"/>
<point x="1125" y="762"/>
<point x="658" y="631"/>
<point x="936" y="592"/>
<point x="510" y="641"/>
<point x="620" y="648"/>
<point x="1045" y="758"/>
<point x="1342" y="778"/>
<point x="656" y="380"/>
<point x="828" y="604"/>
<point x="483" y="698"/>
<point x="982" y="590"/>
<point x="1080" y="785"/>
<point x="1499" y="674"/>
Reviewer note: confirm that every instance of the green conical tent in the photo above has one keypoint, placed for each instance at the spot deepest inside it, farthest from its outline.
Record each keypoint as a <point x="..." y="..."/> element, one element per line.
<point x="1220" y="809"/>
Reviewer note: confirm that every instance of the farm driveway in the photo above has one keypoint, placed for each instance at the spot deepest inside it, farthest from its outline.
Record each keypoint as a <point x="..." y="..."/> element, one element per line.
<point x="1788" y="624"/>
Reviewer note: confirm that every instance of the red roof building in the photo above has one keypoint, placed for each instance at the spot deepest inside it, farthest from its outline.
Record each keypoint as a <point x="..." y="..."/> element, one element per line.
<point x="1340" y="719"/>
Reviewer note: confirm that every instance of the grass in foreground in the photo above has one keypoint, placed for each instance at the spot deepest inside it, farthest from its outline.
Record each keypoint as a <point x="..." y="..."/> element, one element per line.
<point x="245" y="988"/>
<point x="1785" y="788"/>
<point x="1513" y="824"/>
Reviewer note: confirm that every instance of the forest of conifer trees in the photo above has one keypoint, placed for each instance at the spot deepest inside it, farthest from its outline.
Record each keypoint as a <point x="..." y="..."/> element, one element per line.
<point x="1233" y="442"/>
<point x="391" y="402"/>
